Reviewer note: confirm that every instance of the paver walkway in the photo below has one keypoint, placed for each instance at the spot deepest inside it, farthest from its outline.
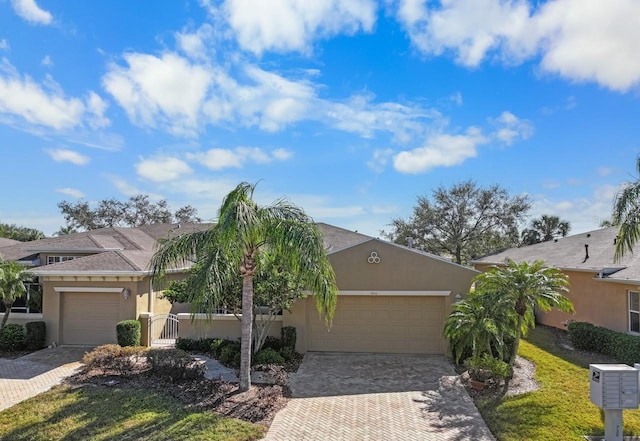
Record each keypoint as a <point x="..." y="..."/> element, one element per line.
<point x="355" y="397"/>
<point x="34" y="373"/>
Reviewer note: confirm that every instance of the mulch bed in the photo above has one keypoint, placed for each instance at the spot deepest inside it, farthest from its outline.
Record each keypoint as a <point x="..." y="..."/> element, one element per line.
<point x="258" y="405"/>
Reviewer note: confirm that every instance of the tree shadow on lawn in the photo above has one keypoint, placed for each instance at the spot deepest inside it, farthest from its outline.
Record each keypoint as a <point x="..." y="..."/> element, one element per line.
<point x="115" y="414"/>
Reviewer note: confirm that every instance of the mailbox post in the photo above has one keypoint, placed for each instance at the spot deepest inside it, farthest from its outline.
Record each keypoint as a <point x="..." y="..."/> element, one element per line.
<point x="614" y="387"/>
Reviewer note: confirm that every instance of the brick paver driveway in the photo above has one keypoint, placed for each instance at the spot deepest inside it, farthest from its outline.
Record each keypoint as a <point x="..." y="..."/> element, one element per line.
<point x="37" y="372"/>
<point x="377" y="397"/>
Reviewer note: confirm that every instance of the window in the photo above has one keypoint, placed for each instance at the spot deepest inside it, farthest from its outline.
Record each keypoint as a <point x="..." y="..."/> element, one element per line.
<point x="56" y="259"/>
<point x="634" y="311"/>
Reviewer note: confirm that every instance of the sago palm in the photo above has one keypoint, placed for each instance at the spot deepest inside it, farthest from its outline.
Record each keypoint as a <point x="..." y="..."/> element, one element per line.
<point x="231" y="247"/>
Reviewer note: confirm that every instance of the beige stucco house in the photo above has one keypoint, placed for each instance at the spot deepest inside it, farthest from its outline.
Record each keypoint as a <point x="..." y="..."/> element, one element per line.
<point x="392" y="298"/>
<point x="604" y="292"/>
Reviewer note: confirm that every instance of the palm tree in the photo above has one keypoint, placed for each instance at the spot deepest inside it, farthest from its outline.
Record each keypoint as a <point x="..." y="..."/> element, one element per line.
<point x="477" y="325"/>
<point x="231" y="247"/>
<point x="544" y="229"/>
<point x="523" y="287"/>
<point x="12" y="278"/>
<point x="626" y="209"/>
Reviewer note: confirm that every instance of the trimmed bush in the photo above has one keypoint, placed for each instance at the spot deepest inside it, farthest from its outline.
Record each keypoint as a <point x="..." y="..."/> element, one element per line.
<point x="288" y="336"/>
<point x="288" y="353"/>
<point x="174" y="364"/>
<point x="36" y="335"/>
<point x="113" y="359"/>
<point x="623" y="347"/>
<point x="128" y="333"/>
<point x="272" y="342"/>
<point x="268" y="356"/>
<point x="216" y="346"/>
<point x="12" y="337"/>
<point x="228" y="354"/>
<point x="200" y="345"/>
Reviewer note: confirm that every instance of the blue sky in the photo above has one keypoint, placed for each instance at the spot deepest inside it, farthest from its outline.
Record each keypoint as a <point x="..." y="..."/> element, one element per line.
<point x="351" y="109"/>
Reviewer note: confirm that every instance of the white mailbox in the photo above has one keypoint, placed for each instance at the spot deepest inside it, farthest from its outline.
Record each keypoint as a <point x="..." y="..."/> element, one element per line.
<point x="614" y="386"/>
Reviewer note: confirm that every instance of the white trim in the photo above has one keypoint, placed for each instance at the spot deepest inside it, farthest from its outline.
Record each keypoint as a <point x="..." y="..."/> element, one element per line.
<point x="394" y="293"/>
<point x="80" y="273"/>
<point x="86" y="289"/>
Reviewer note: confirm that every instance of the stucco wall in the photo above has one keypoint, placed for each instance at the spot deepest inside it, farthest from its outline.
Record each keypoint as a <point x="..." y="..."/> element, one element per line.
<point x="21" y="318"/>
<point x="218" y="326"/>
<point x="597" y="301"/>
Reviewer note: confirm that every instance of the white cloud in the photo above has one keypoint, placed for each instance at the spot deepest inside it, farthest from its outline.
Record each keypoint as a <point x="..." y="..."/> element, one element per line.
<point x="582" y="40"/>
<point x="440" y="150"/>
<point x="64" y="155"/>
<point x="511" y="128"/>
<point x="96" y="107"/>
<point x="71" y="192"/>
<point x="4" y="45"/>
<point x="162" y="168"/>
<point x="47" y="61"/>
<point x="293" y="25"/>
<point x="195" y="44"/>
<point x="21" y="96"/>
<point x="218" y="159"/>
<point x="168" y="90"/>
<point x="379" y="159"/>
<point x="31" y="12"/>
<point x="128" y="189"/>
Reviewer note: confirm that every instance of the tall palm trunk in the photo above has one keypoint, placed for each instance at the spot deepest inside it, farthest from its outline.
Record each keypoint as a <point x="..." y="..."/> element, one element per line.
<point x="7" y="306"/>
<point x="247" y="328"/>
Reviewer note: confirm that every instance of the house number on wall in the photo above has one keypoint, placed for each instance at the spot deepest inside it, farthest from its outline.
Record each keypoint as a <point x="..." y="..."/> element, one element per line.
<point x="373" y="257"/>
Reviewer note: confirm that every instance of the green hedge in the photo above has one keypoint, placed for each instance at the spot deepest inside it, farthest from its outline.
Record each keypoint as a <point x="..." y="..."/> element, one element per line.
<point x="587" y="337"/>
<point x="36" y="335"/>
<point x="12" y="337"/>
<point x="128" y="333"/>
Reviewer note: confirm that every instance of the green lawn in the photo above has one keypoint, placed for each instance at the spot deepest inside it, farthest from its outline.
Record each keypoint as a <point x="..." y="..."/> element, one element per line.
<point x="561" y="409"/>
<point x="91" y="413"/>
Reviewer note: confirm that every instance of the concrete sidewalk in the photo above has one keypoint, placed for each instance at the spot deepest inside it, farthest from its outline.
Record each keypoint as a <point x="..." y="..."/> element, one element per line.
<point x="34" y="373"/>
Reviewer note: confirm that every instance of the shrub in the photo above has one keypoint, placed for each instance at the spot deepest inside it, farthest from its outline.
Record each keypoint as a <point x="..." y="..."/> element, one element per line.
<point x="128" y="333"/>
<point x="174" y="364"/>
<point x="623" y="347"/>
<point x="216" y="345"/>
<point x="185" y="344"/>
<point x="114" y="359"/>
<point x="288" y="353"/>
<point x="268" y="356"/>
<point x="486" y="367"/>
<point x="272" y="342"/>
<point x="199" y="345"/>
<point x="228" y="354"/>
<point x="288" y="336"/>
<point x="36" y="335"/>
<point x="12" y="337"/>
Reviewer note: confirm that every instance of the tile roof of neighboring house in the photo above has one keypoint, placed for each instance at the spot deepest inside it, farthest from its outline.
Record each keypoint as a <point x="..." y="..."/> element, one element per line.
<point x="571" y="253"/>
<point x="5" y="242"/>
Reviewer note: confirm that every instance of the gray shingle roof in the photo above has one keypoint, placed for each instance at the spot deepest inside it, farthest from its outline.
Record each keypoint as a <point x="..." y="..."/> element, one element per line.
<point x="336" y="238"/>
<point x="570" y="253"/>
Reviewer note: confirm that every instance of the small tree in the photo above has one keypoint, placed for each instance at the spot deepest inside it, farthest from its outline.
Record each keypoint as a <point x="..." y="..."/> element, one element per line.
<point x="521" y="288"/>
<point x="12" y="278"/>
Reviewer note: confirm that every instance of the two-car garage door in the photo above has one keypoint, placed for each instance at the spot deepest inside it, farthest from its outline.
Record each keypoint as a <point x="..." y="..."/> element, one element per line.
<point x="89" y="318"/>
<point x="385" y="324"/>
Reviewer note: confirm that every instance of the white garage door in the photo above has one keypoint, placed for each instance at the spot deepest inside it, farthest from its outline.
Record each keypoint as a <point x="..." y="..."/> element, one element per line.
<point x="384" y="324"/>
<point x="89" y="318"/>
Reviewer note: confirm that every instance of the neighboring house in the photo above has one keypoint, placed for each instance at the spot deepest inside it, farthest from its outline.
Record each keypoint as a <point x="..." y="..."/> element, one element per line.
<point x="603" y="292"/>
<point x="392" y="298"/>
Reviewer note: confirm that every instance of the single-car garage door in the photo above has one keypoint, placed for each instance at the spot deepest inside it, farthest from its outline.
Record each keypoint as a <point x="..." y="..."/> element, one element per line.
<point x="385" y="324"/>
<point x="89" y="318"/>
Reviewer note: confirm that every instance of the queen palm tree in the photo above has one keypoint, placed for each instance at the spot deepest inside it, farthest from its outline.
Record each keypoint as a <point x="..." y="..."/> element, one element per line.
<point x="523" y="287"/>
<point x="12" y="278"/>
<point x="544" y="229"/>
<point x="231" y="247"/>
<point x="626" y="212"/>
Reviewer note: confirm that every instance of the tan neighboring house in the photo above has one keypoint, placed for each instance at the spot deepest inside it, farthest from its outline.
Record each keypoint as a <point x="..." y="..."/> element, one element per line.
<point x="392" y="299"/>
<point x="604" y="293"/>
